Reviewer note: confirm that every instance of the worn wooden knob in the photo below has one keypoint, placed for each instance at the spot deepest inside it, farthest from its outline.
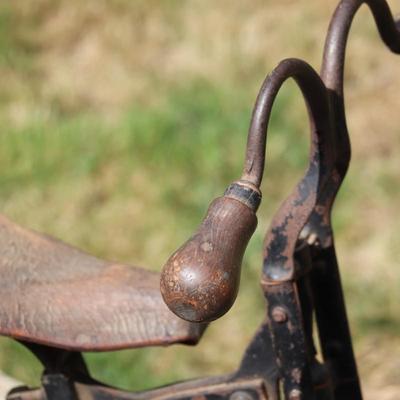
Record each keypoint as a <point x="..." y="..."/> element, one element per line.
<point x="200" y="281"/>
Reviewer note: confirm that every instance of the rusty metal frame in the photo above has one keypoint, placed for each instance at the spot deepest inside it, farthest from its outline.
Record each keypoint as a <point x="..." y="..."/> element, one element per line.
<point x="300" y="277"/>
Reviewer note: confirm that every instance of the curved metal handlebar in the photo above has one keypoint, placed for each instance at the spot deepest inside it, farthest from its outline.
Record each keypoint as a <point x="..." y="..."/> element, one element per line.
<point x="332" y="70"/>
<point x="200" y="280"/>
<point x="318" y="229"/>
<point x="339" y="29"/>
<point x="288" y="222"/>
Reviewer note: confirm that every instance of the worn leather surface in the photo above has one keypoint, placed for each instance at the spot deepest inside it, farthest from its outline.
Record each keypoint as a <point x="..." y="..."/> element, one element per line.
<point x="54" y="294"/>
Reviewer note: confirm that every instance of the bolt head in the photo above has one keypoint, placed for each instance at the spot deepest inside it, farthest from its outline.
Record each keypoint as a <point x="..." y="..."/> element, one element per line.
<point x="279" y="314"/>
<point x="295" y="394"/>
<point x="240" y="395"/>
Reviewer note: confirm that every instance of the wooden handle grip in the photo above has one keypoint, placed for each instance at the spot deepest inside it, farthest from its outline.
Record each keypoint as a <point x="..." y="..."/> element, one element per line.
<point x="200" y="281"/>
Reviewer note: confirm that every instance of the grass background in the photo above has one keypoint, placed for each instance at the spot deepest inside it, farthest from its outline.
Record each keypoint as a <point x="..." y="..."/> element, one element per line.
<point x="120" y="121"/>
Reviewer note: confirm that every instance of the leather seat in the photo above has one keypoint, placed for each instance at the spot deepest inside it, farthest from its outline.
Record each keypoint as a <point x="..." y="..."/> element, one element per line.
<point x="54" y="294"/>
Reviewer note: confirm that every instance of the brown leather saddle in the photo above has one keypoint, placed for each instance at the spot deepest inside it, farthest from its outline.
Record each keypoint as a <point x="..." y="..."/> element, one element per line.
<point x="57" y="295"/>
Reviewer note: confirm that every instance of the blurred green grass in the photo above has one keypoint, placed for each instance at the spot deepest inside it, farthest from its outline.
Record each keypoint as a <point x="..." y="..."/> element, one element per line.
<point x="133" y="186"/>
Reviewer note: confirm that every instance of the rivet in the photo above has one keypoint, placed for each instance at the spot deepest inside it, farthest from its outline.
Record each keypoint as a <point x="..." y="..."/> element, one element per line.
<point x="279" y="314"/>
<point x="295" y="394"/>
<point x="240" y="395"/>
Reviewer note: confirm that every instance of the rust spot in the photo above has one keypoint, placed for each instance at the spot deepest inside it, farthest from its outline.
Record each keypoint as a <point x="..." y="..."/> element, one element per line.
<point x="296" y="375"/>
<point x="206" y="246"/>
